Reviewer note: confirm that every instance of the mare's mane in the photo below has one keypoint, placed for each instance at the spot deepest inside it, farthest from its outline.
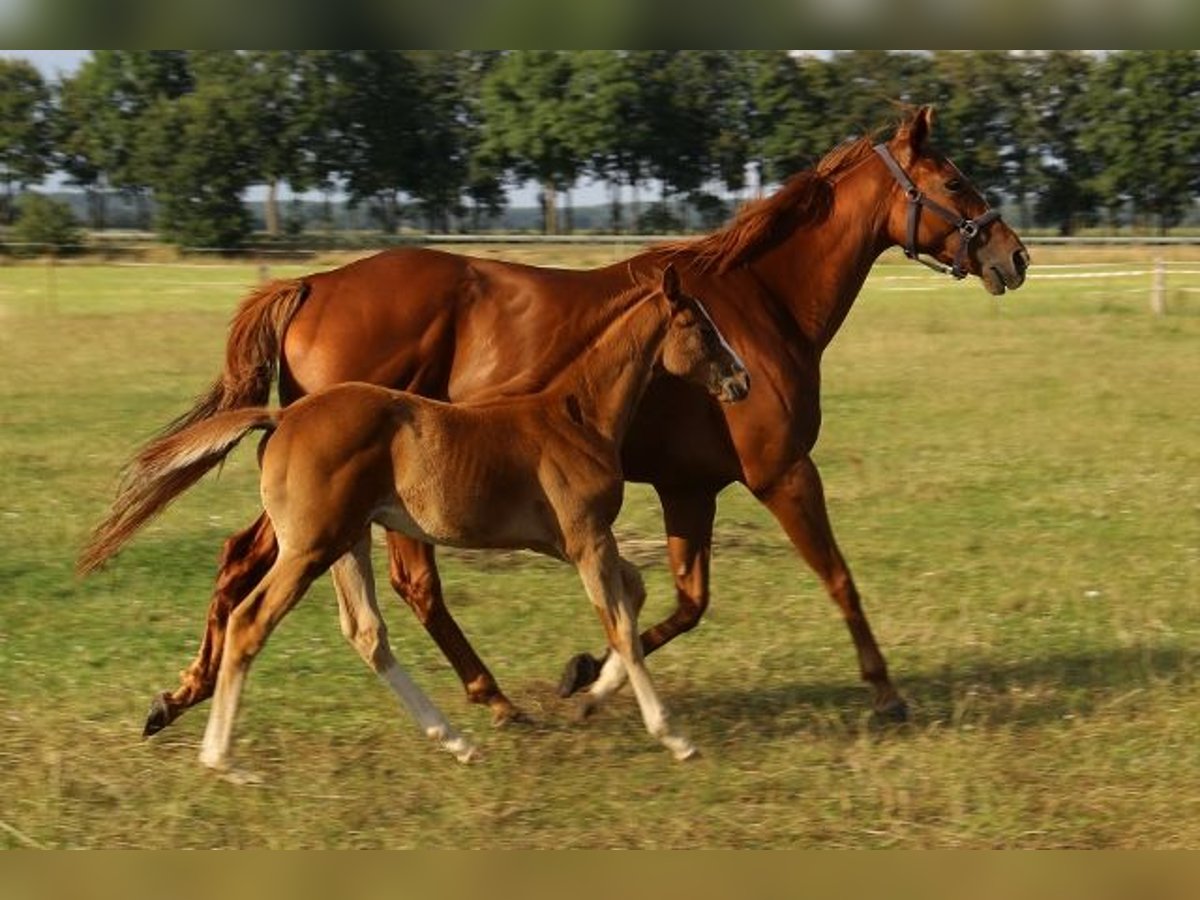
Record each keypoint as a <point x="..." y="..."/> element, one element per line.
<point x="805" y="199"/>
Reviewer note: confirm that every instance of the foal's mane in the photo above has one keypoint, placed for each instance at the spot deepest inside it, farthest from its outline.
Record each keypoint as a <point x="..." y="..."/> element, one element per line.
<point x="805" y="199"/>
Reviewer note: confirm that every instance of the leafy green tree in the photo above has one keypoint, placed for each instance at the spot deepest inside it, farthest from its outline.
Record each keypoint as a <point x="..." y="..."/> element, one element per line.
<point x="531" y="119"/>
<point x="25" y="130"/>
<point x="102" y="109"/>
<point x="1144" y="130"/>
<point x="1059" y="82"/>
<point x="614" y="128"/>
<point x="483" y="185"/>
<point x="379" y="151"/>
<point x="790" y="113"/>
<point x="200" y="153"/>
<point x="446" y="132"/>
<point x="281" y="82"/>
<point x="44" y="221"/>
<point x="865" y="89"/>
<point x="679" y="100"/>
<point x="981" y="119"/>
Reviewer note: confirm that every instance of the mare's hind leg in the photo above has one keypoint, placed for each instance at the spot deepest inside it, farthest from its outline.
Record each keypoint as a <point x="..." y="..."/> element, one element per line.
<point x="245" y="559"/>
<point x="247" y="631"/>
<point x="798" y="502"/>
<point x="603" y="577"/>
<point x="363" y="627"/>
<point x="688" y="516"/>
<point x="414" y="575"/>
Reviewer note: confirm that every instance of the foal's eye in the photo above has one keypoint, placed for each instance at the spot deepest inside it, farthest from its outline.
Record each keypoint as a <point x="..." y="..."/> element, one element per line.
<point x="954" y="184"/>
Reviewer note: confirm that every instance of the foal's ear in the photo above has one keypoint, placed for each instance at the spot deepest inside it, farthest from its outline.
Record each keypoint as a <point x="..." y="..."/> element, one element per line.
<point x="912" y="136"/>
<point x="671" y="288"/>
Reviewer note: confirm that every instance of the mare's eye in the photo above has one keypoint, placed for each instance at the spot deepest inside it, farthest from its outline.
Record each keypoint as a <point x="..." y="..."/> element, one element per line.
<point x="954" y="184"/>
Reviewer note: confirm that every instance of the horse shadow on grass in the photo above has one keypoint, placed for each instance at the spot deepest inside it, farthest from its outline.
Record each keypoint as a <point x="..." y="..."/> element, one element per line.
<point x="982" y="692"/>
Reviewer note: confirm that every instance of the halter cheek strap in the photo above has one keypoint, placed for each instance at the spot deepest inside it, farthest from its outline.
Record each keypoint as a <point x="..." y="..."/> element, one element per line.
<point x="968" y="229"/>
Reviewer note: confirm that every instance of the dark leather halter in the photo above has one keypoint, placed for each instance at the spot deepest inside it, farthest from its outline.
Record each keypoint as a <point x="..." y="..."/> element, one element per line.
<point x="968" y="229"/>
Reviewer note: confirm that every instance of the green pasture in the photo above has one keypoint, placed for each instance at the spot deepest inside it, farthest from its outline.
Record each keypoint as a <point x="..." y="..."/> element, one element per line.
<point x="1015" y="481"/>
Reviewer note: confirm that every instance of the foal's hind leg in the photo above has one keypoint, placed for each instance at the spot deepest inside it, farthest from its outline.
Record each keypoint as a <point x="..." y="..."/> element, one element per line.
<point x="364" y="628"/>
<point x="248" y="628"/>
<point x="245" y="559"/>
<point x="414" y="576"/>
<point x="601" y="571"/>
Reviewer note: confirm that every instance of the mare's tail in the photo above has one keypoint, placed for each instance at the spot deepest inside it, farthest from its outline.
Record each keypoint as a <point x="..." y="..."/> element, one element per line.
<point x="163" y="470"/>
<point x="251" y="353"/>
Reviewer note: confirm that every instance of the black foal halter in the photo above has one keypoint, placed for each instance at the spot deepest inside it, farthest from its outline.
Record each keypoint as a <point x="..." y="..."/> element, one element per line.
<point x="968" y="229"/>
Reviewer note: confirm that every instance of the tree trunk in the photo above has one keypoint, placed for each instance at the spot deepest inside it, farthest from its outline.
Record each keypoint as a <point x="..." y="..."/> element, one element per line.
<point x="570" y="212"/>
<point x="271" y="211"/>
<point x="549" y="208"/>
<point x="615" y="210"/>
<point x="141" y="205"/>
<point x="95" y="206"/>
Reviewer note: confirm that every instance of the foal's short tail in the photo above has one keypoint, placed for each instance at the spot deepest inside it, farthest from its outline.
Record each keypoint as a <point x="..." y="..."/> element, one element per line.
<point x="163" y="470"/>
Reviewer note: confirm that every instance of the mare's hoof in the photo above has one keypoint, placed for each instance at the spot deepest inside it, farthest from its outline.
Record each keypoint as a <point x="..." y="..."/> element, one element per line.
<point x="895" y="712"/>
<point x="581" y="671"/>
<point x="159" y="716"/>
<point x="510" y="715"/>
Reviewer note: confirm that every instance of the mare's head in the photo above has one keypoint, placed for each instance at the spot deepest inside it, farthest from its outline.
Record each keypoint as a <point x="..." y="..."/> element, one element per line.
<point x="694" y="349"/>
<point x="936" y="211"/>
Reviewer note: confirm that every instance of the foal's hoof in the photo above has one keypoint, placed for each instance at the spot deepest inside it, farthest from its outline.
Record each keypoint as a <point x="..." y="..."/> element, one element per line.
<point x="581" y="671"/>
<point x="159" y="717"/>
<point x="241" y="777"/>
<point x="894" y="712"/>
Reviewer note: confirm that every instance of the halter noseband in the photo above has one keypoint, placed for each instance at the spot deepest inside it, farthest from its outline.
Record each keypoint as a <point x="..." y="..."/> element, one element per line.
<point x="968" y="229"/>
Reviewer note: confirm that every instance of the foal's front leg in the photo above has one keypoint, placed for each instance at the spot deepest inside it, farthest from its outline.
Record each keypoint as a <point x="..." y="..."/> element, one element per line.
<point x="600" y="568"/>
<point x="612" y="673"/>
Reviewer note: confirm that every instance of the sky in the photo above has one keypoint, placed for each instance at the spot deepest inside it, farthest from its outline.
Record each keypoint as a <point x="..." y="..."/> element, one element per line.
<point x="51" y="63"/>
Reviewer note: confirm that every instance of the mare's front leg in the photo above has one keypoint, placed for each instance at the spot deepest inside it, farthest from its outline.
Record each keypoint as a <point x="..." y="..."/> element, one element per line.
<point x="688" y="517"/>
<point x="797" y="500"/>
<point x="363" y="627"/>
<point x="414" y="576"/>
<point x="604" y="577"/>
<point x="245" y="559"/>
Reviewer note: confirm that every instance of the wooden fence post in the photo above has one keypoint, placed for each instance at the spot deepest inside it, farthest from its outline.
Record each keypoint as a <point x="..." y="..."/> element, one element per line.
<point x="1158" y="288"/>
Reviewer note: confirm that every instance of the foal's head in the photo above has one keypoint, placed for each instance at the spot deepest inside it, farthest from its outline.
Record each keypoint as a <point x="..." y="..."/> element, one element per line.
<point x="694" y="349"/>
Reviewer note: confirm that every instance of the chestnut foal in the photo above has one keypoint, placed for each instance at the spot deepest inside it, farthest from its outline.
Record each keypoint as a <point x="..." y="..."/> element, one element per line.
<point x="539" y="472"/>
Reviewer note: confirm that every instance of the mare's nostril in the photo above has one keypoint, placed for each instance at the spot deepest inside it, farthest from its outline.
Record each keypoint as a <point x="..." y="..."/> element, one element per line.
<point x="1021" y="260"/>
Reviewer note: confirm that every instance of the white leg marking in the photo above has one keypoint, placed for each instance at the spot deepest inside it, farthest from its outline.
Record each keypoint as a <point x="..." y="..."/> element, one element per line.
<point x="605" y="586"/>
<point x="363" y="626"/>
<point x="608" y="682"/>
<point x="431" y="720"/>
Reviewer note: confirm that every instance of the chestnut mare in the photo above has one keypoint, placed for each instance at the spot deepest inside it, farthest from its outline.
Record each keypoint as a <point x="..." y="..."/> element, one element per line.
<point x="540" y="472"/>
<point x="778" y="281"/>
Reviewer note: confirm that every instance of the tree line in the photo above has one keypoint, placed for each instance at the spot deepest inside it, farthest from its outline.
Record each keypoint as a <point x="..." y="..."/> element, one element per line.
<point x="434" y="138"/>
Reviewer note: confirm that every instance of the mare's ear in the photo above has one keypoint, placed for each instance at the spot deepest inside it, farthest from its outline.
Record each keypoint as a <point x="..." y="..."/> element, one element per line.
<point x="912" y="136"/>
<point x="671" y="288"/>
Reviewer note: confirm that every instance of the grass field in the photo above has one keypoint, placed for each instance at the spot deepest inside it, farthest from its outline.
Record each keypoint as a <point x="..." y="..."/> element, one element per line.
<point x="1016" y="484"/>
